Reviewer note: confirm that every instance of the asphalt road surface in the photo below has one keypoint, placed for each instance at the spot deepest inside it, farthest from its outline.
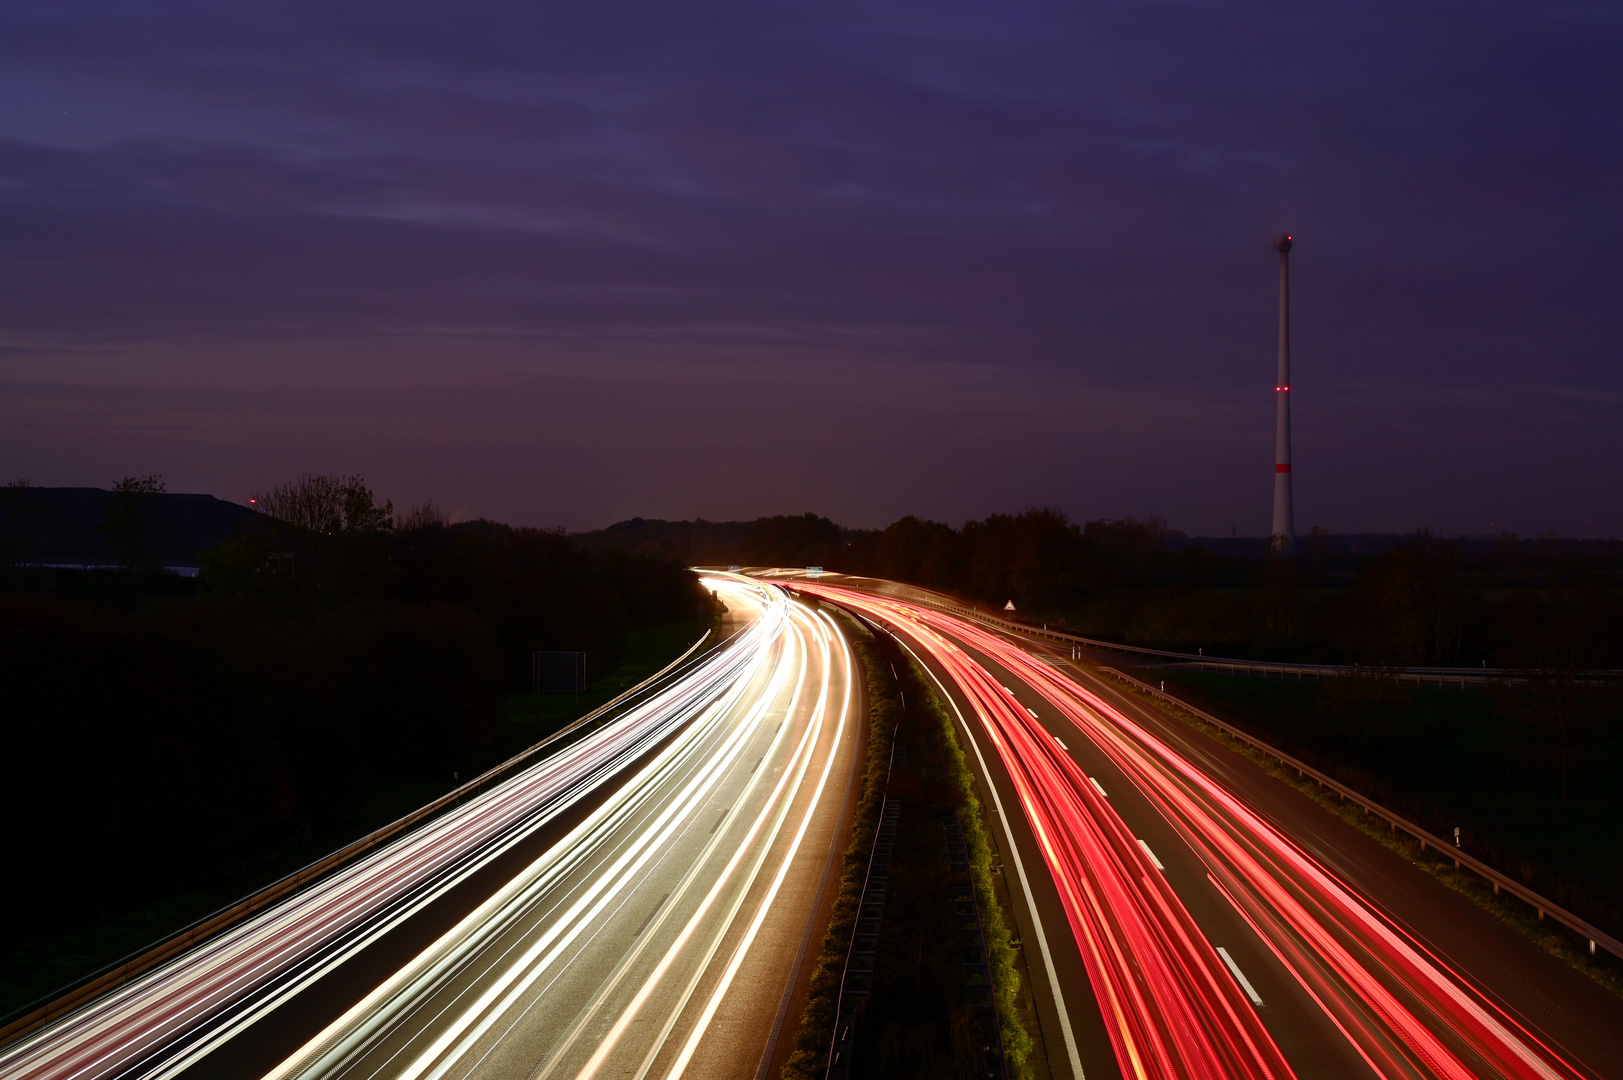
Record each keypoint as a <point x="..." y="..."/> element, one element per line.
<point x="1147" y="860"/>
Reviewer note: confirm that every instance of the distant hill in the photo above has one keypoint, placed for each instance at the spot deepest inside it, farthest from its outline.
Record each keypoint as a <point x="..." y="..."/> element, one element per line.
<point x="64" y="526"/>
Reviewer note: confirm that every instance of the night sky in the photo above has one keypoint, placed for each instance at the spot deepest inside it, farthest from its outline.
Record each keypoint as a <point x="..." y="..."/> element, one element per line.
<point x="562" y="263"/>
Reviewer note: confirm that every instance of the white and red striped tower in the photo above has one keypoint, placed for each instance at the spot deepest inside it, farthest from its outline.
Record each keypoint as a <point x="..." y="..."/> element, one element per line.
<point x="1284" y="535"/>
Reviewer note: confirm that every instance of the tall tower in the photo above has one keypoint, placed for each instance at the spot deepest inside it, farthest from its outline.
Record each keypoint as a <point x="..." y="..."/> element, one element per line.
<point x="1284" y="518"/>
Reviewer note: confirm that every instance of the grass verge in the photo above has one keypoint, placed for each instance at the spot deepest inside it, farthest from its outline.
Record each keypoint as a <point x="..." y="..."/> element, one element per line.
<point x="1000" y="941"/>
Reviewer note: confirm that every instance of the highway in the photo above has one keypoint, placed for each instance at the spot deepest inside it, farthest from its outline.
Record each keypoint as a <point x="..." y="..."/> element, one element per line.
<point x="1191" y="920"/>
<point x="632" y="905"/>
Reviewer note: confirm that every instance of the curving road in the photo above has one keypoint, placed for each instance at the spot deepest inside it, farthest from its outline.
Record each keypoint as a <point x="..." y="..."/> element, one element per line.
<point x="632" y="905"/>
<point x="1184" y="931"/>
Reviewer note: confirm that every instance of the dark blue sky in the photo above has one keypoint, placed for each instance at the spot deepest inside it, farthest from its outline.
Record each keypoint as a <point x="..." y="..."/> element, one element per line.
<point x="567" y="263"/>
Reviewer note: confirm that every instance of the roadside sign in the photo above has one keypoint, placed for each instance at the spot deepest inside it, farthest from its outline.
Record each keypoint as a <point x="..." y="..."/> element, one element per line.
<point x="560" y="672"/>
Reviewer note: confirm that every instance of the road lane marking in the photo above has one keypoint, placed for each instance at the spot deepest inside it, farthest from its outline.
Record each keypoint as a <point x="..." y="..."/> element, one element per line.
<point x="1098" y="787"/>
<point x="1156" y="862"/>
<point x="1062" y="745"/>
<point x="1239" y="976"/>
<point x="1033" y="713"/>
<point x="771" y="819"/>
<point x="653" y="911"/>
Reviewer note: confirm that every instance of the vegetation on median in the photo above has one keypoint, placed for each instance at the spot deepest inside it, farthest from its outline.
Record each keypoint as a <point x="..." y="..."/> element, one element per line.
<point x="890" y="673"/>
<point x="1000" y="940"/>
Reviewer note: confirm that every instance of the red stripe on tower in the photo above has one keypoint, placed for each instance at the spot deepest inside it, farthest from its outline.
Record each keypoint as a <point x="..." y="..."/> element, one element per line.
<point x="1282" y="468"/>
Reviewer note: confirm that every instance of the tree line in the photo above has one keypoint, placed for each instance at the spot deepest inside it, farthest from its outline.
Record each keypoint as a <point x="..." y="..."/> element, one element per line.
<point x="1415" y="600"/>
<point x="1427" y="601"/>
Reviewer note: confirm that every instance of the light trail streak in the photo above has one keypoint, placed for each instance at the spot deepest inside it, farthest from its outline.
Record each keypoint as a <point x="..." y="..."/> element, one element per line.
<point x="1405" y="1011"/>
<point x="1170" y="1006"/>
<point x="659" y="986"/>
<point x="525" y="953"/>
<point x="685" y="1058"/>
<point x="374" y="1015"/>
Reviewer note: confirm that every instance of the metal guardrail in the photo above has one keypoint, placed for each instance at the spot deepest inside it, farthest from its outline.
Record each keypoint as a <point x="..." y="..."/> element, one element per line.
<point x="1594" y="935"/>
<point x="111" y="977"/>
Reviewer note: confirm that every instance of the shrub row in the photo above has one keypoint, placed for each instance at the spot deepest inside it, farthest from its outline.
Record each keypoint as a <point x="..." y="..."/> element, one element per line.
<point x="1000" y="948"/>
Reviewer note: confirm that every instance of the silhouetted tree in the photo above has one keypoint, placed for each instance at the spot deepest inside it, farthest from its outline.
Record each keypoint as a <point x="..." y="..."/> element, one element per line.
<point x="19" y="523"/>
<point x="788" y="540"/>
<point x="329" y="505"/>
<point x="1279" y="588"/>
<point x="1410" y="607"/>
<point x="129" y="507"/>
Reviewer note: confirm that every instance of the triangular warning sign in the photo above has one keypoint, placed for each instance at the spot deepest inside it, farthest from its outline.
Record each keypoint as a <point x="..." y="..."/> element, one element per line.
<point x="1009" y="606"/>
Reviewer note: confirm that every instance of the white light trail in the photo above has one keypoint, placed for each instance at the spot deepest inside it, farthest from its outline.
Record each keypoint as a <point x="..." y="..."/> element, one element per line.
<point x="709" y="724"/>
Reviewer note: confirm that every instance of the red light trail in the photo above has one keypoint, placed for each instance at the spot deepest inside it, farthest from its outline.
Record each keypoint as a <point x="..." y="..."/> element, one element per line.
<point x="1170" y="1005"/>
